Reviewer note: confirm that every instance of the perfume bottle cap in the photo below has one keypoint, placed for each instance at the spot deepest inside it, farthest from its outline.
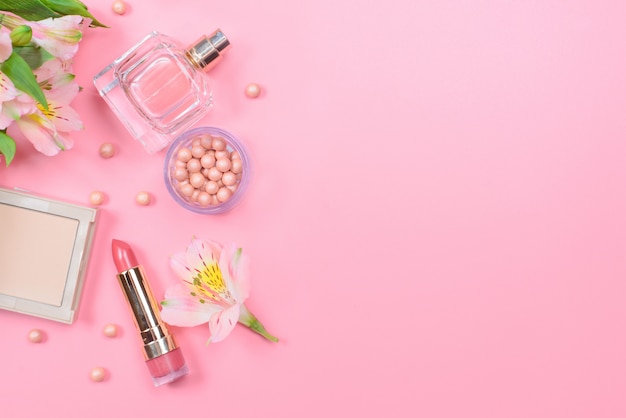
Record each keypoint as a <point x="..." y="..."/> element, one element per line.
<point x="207" y="50"/>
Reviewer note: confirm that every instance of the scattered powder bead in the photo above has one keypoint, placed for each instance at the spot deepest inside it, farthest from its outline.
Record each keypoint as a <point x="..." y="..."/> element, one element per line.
<point x="253" y="90"/>
<point x="98" y="374"/>
<point x="35" y="336"/>
<point x="143" y="198"/>
<point x="110" y="330"/>
<point x="107" y="150"/>
<point x="119" y="7"/>
<point x="96" y="198"/>
<point x="207" y="171"/>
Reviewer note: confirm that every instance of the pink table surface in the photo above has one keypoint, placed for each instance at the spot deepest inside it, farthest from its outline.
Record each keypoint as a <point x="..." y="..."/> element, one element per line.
<point x="436" y="221"/>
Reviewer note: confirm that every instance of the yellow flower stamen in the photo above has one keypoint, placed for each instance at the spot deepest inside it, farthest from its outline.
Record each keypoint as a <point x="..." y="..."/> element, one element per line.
<point x="210" y="284"/>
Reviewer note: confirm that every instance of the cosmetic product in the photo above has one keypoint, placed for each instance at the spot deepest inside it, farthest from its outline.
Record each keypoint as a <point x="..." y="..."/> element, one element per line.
<point x="253" y="90"/>
<point x="163" y="356"/>
<point x="110" y="330"/>
<point x="44" y="249"/>
<point x="35" y="336"/>
<point x="98" y="374"/>
<point x="107" y="150"/>
<point x="207" y="170"/>
<point x="159" y="87"/>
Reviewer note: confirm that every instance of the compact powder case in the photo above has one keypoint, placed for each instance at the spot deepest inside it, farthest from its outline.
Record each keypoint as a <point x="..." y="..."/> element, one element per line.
<point x="44" y="248"/>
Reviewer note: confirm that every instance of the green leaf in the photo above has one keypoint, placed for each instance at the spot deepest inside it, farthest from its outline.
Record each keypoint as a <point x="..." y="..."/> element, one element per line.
<point x="71" y="7"/>
<point x="33" y="55"/>
<point x="7" y="147"/>
<point x="18" y="71"/>
<point x="28" y="9"/>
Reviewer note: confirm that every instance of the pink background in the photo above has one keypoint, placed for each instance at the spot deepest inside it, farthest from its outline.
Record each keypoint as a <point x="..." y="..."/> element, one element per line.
<point x="436" y="219"/>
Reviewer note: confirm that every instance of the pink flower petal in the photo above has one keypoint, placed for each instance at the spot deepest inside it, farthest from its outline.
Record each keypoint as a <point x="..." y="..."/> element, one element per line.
<point x="182" y="309"/>
<point x="235" y="267"/>
<point x="178" y="263"/>
<point x="65" y="118"/>
<point x="7" y="89"/>
<point x="223" y="322"/>
<point x="63" y="93"/>
<point x="42" y="134"/>
<point x="202" y="252"/>
<point x="5" y="46"/>
<point x="58" y="36"/>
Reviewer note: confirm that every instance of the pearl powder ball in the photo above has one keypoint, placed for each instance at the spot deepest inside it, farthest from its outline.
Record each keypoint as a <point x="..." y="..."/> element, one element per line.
<point x="229" y="178"/>
<point x="110" y="330"/>
<point x="98" y="374"/>
<point x="218" y="144"/>
<point x="215" y="174"/>
<point x="206" y="141"/>
<point x="119" y="7"/>
<point x="253" y="90"/>
<point x="35" y="336"/>
<point x="207" y="161"/>
<point x="223" y="194"/>
<point x="211" y="187"/>
<point x="237" y="166"/>
<point x="184" y="155"/>
<point x="96" y="198"/>
<point x="107" y="150"/>
<point x="143" y="198"/>
<point x="181" y="174"/>
<point x="197" y="180"/>
<point x="223" y="164"/>
<point x="194" y="165"/>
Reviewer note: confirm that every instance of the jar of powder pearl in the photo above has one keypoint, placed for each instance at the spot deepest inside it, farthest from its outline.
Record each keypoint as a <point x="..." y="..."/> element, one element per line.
<point x="207" y="170"/>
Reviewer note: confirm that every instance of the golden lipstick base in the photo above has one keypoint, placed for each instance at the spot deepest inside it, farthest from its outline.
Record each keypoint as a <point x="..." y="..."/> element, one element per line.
<point x="163" y="356"/>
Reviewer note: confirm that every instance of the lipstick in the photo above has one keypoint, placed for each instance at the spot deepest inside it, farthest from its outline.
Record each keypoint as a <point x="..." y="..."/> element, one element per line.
<point x="163" y="356"/>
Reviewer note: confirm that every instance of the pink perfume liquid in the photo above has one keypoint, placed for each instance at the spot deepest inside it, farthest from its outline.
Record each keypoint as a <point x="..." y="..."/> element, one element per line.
<point x="159" y="88"/>
<point x="160" y="84"/>
<point x="164" y="91"/>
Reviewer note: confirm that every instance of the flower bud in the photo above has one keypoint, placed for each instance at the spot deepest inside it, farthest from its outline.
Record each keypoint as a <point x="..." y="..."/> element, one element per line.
<point x="21" y="35"/>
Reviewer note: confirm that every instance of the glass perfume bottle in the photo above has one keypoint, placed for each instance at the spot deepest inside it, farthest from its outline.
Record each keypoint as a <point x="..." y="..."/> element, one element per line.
<point x="159" y="87"/>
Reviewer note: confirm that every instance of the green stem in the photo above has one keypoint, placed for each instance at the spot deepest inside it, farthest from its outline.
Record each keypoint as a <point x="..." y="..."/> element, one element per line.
<point x="249" y="320"/>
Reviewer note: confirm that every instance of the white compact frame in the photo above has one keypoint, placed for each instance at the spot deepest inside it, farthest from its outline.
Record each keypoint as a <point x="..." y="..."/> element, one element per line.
<point x="44" y="248"/>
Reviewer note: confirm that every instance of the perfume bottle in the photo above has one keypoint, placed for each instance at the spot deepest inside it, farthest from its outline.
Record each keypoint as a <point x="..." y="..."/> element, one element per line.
<point x="159" y="87"/>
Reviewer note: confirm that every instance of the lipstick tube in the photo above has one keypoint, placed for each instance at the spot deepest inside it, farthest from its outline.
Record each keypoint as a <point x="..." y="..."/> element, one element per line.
<point x="163" y="356"/>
